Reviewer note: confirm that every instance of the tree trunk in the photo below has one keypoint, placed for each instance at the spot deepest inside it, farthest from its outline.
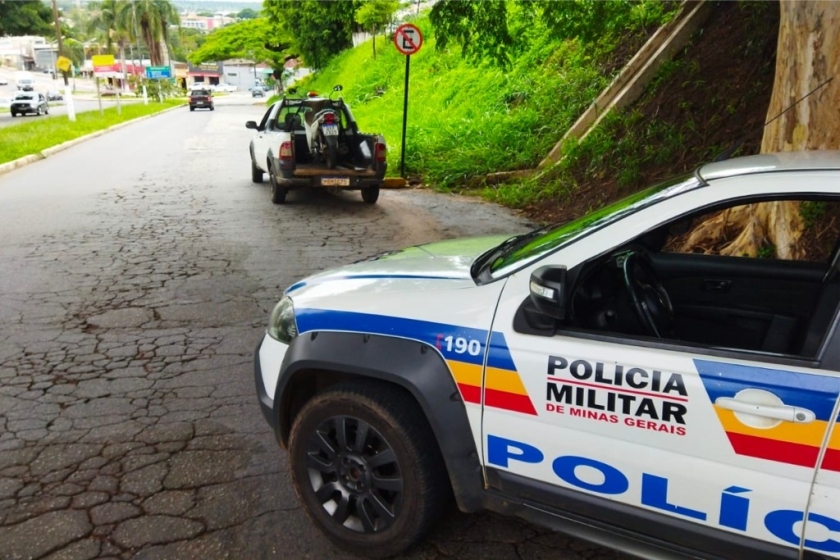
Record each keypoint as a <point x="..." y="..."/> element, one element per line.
<point x="808" y="53"/>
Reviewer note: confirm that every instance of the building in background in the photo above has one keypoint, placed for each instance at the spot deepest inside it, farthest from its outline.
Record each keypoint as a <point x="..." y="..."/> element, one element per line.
<point x="207" y="74"/>
<point x="19" y="52"/>
<point x="205" y="23"/>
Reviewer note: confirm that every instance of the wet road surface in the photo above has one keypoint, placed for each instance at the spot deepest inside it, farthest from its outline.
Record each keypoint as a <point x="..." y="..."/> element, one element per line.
<point x="138" y="270"/>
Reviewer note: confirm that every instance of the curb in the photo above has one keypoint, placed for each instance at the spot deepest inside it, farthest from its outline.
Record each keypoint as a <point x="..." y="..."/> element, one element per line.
<point x="47" y="152"/>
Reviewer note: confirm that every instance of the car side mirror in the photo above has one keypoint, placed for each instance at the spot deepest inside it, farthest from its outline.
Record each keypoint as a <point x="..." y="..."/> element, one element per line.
<point x="251" y="124"/>
<point x="548" y="291"/>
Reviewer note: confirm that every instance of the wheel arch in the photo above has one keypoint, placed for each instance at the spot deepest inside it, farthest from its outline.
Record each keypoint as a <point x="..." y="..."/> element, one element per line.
<point x="318" y="360"/>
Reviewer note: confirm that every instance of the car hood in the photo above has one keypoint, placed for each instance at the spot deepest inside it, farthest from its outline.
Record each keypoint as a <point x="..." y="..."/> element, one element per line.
<point x="443" y="260"/>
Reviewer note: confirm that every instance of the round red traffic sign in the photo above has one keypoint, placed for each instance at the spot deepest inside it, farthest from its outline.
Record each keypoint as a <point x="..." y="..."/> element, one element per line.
<point x="408" y="38"/>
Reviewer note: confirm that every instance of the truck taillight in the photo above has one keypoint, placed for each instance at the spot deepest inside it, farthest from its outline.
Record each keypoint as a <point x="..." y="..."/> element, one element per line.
<point x="379" y="151"/>
<point x="286" y="151"/>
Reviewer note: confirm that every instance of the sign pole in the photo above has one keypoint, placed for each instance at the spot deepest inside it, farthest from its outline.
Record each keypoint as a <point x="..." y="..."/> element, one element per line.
<point x="405" y="116"/>
<point x="408" y="39"/>
<point x="99" y="97"/>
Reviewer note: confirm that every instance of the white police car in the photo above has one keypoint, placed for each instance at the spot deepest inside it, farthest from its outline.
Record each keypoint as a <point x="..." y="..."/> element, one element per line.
<point x="581" y="376"/>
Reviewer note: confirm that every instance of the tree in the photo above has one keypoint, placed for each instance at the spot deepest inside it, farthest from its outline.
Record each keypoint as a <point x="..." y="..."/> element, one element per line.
<point x="319" y="29"/>
<point x="808" y="54"/>
<point x="247" y="13"/>
<point x="374" y="15"/>
<point x="25" y="17"/>
<point x="186" y="41"/>
<point x="251" y="39"/>
<point x="104" y="25"/>
<point x="482" y="28"/>
<point x="150" y="20"/>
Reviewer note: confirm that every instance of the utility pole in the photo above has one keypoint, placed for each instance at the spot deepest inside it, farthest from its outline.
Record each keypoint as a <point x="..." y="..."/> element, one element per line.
<point x="58" y="36"/>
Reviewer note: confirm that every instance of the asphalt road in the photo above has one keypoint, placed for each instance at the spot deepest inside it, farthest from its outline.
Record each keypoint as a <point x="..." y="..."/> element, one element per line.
<point x="138" y="270"/>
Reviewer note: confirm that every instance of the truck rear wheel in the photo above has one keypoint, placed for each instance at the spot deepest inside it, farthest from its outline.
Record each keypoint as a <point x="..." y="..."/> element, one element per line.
<point x="278" y="193"/>
<point x="256" y="172"/>
<point x="370" y="194"/>
<point x="367" y="468"/>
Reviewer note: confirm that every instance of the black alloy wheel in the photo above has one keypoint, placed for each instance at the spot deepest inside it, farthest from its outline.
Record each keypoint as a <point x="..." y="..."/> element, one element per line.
<point x="367" y="468"/>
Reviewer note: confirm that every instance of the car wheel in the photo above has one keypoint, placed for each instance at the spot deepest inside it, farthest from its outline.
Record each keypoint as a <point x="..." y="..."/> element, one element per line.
<point x="370" y="194"/>
<point x="38" y="112"/>
<point x="46" y="110"/>
<point x="212" y="108"/>
<point x="14" y="114"/>
<point x="256" y="172"/>
<point x="192" y="108"/>
<point x="278" y="193"/>
<point x="366" y="466"/>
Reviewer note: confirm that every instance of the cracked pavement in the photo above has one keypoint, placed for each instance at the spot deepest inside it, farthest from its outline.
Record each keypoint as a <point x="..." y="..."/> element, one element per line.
<point x="138" y="270"/>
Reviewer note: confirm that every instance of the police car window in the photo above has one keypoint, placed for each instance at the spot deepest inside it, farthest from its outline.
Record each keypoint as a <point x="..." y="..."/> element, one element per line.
<point x="739" y="232"/>
<point x="670" y="284"/>
<point x="516" y="255"/>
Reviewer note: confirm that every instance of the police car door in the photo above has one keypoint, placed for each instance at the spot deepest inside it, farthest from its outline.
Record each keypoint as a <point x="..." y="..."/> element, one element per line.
<point x="717" y="453"/>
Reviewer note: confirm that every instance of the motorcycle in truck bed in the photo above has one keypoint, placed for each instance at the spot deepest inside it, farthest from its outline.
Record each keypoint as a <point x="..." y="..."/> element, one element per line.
<point x="314" y="141"/>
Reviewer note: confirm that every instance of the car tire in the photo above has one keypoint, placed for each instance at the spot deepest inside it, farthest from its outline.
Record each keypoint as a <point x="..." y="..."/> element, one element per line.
<point x="38" y="112"/>
<point x="278" y="193"/>
<point x="390" y="488"/>
<point x="256" y="172"/>
<point x="192" y="108"/>
<point x="212" y="108"/>
<point x="14" y="114"/>
<point x="46" y="110"/>
<point x="370" y="194"/>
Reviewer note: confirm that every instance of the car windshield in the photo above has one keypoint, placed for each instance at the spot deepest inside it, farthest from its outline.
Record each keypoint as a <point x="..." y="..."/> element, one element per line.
<point x="24" y="96"/>
<point x="201" y="92"/>
<point x="519" y="251"/>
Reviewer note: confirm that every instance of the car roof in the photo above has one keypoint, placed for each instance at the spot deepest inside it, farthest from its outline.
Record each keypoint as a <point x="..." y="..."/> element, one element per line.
<point x="770" y="163"/>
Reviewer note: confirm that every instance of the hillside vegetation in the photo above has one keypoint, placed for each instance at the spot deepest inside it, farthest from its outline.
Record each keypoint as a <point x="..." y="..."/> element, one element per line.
<point x="470" y="118"/>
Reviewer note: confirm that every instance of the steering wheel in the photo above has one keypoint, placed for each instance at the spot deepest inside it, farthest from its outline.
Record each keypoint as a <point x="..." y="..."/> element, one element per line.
<point x="650" y="300"/>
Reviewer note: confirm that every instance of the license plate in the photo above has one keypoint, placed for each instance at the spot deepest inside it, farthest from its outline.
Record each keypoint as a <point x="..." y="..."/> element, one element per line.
<point x="335" y="181"/>
<point x="330" y="129"/>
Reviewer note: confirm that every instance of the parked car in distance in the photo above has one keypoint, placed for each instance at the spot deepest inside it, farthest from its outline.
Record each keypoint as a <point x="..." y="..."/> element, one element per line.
<point x="4" y="81"/>
<point x="29" y="102"/>
<point x="54" y="95"/>
<point x="258" y="92"/>
<point x="226" y="88"/>
<point x="201" y="99"/>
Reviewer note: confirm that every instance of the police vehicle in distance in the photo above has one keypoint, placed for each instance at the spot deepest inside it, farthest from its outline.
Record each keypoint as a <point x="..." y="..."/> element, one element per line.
<point x="590" y="377"/>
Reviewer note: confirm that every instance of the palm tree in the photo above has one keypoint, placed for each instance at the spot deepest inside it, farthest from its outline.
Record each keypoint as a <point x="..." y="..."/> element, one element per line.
<point x="150" y="19"/>
<point x="105" y="26"/>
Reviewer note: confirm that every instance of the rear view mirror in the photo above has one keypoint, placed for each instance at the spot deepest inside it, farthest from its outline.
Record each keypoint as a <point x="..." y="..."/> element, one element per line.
<point x="548" y="291"/>
<point x="251" y="124"/>
<point x="338" y="88"/>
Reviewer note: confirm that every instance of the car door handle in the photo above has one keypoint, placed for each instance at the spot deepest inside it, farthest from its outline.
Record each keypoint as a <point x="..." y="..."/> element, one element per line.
<point x="717" y="285"/>
<point x="784" y="412"/>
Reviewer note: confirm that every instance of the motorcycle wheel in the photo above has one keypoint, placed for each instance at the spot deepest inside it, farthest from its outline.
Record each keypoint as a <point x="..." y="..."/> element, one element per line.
<point x="332" y="155"/>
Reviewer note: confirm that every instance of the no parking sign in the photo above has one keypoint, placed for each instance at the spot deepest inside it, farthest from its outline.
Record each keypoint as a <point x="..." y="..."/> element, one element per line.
<point x="408" y="39"/>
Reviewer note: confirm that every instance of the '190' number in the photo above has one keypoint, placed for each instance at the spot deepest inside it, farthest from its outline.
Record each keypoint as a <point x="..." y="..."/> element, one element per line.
<point x="461" y="345"/>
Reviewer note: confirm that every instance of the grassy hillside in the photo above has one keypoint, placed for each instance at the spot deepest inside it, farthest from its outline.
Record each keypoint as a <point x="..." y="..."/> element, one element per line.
<point x="466" y="119"/>
<point x="713" y="96"/>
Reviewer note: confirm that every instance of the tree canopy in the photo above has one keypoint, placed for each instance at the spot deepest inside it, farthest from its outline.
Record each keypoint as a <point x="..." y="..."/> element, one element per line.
<point x="250" y="39"/>
<point x="25" y="17"/>
<point x="247" y="13"/>
<point x="485" y="28"/>
<point x="374" y="15"/>
<point x="319" y="29"/>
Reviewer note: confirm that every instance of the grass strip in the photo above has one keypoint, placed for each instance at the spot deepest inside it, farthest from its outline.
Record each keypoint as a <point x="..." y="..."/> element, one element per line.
<point x="33" y="136"/>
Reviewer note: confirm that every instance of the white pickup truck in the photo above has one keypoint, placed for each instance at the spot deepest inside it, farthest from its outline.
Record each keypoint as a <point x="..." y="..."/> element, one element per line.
<point x="315" y="142"/>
